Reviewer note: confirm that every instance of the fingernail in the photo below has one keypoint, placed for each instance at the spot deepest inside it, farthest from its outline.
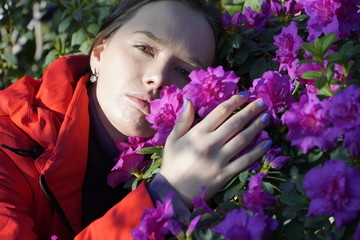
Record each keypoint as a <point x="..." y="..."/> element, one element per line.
<point x="186" y="101"/>
<point x="265" y="118"/>
<point x="267" y="144"/>
<point x="244" y="94"/>
<point x="261" y="103"/>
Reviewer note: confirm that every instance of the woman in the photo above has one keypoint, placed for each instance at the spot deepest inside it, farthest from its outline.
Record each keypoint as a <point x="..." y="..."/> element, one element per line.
<point x="58" y="134"/>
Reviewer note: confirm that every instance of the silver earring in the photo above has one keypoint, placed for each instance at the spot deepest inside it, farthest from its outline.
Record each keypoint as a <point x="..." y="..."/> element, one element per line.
<point x="94" y="77"/>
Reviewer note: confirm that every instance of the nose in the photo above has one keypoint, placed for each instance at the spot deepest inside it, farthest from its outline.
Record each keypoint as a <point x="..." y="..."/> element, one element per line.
<point x="156" y="76"/>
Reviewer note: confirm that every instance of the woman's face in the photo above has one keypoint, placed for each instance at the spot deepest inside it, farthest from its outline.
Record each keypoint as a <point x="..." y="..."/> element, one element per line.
<point x="157" y="47"/>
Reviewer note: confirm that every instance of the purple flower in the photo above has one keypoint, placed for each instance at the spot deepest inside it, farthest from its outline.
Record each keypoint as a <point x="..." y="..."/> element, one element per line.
<point x="129" y="161"/>
<point x="348" y="16"/>
<point x="193" y="224"/>
<point x="232" y="24"/>
<point x="257" y="19"/>
<point x="288" y="43"/>
<point x="164" y="113"/>
<point x="238" y="225"/>
<point x="208" y="89"/>
<point x="323" y="17"/>
<point x="275" y="161"/>
<point x="309" y="125"/>
<point x="156" y="221"/>
<point x="295" y="71"/>
<point x="344" y="111"/>
<point x="275" y="90"/>
<point x="256" y="199"/>
<point x="288" y="8"/>
<point x="332" y="191"/>
<point x="199" y="202"/>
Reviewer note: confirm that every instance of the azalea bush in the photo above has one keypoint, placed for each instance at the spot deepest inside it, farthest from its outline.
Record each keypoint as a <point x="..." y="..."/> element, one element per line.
<point x="303" y="59"/>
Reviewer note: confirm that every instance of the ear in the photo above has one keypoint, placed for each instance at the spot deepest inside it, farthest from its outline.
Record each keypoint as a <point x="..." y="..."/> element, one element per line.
<point x="95" y="56"/>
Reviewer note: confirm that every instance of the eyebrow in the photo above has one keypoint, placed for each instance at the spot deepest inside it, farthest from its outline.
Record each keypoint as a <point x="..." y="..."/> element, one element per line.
<point x="150" y="35"/>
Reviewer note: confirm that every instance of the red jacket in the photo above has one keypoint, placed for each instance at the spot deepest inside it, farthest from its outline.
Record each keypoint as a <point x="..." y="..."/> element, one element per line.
<point x="52" y="114"/>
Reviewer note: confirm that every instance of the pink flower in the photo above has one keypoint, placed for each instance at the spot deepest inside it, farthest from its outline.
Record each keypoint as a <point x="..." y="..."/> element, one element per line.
<point x="256" y="199"/>
<point x="232" y="24"/>
<point x="275" y="161"/>
<point x="257" y="19"/>
<point x="295" y="71"/>
<point x="348" y="16"/>
<point x="323" y="18"/>
<point x="238" y="225"/>
<point x="199" y="202"/>
<point x="332" y="191"/>
<point x="128" y="162"/>
<point x="275" y="90"/>
<point x="309" y="125"/>
<point x="344" y="111"/>
<point x="288" y="43"/>
<point x="209" y="88"/>
<point x="156" y="221"/>
<point x="164" y="113"/>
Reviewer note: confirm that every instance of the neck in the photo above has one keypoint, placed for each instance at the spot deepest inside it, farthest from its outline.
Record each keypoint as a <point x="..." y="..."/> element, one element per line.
<point x="110" y="129"/>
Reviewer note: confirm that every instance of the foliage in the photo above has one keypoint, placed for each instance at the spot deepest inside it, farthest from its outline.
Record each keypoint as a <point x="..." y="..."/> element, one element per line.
<point x="34" y="33"/>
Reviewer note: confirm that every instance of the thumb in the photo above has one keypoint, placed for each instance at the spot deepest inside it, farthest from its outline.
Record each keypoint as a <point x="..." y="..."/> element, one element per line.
<point x="184" y="122"/>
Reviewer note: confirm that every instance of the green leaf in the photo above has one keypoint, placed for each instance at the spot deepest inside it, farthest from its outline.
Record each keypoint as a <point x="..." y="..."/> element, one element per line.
<point x="154" y="165"/>
<point x="78" y="15"/>
<point x="309" y="47"/>
<point x="318" y="47"/>
<point x="320" y="82"/>
<point x="258" y="68"/>
<point x="348" y="50"/>
<point x="268" y="187"/>
<point x="293" y="230"/>
<point x="334" y="57"/>
<point x="233" y="190"/>
<point x="150" y="150"/>
<point x="311" y="75"/>
<point x="244" y="176"/>
<point x="316" y="220"/>
<point x="241" y="55"/>
<point x="64" y="24"/>
<point x="10" y="58"/>
<point x="134" y="184"/>
<point x="306" y="61"/>
<point x="327" y="42"/>
<point x="236" y="40"/>
<point x="293" y="199"/>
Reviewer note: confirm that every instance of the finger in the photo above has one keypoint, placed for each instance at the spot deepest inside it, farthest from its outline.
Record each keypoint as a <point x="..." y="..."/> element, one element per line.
<point x="247" y="159"/>
<point x="236" y="122"/>
<point x="242" y="139"/>
<point x="217" y="116"/>
<point x="184" y="122"/>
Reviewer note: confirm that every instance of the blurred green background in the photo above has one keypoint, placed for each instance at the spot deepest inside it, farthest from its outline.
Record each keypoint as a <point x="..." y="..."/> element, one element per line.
<point x="33" y="33"/>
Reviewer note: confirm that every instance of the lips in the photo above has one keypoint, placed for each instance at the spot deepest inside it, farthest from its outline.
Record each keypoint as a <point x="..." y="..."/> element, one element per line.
<point x="141" y="102"/>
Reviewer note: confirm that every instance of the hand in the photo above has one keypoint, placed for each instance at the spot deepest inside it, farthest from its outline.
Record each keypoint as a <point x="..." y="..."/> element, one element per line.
<point x="201" y="156"/>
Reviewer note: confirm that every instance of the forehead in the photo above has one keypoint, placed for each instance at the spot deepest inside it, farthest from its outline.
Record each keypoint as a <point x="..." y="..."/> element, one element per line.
<point x="177" y="25"/>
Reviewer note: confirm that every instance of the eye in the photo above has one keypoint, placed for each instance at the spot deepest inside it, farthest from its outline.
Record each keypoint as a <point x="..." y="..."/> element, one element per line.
<point x="184" y="73"/>
<point x="146" y="49"/>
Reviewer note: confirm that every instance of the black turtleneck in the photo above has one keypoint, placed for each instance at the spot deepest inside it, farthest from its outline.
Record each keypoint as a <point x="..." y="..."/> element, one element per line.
<point x="98" y="197"/>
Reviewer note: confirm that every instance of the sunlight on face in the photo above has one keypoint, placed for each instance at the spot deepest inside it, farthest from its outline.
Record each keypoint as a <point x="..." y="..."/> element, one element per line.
<point x="159" y="46"/>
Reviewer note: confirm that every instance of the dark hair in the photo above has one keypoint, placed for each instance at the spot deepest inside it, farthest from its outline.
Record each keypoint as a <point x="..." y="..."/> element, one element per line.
<point x="126" y="9"/>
